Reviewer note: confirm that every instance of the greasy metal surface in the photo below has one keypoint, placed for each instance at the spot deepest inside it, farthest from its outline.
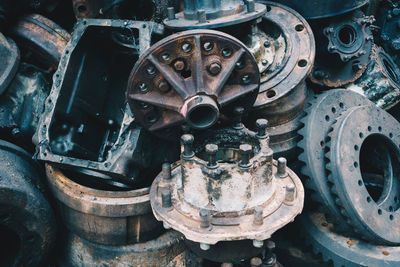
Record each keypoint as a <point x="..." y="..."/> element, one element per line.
<point x="212" y="68"/>
<point x="103" y="217"/>
<point x="157" y="252"/>
<point x="27" y="223"/>
<point x="282" y="94"/>
<point x="86" y="123"/>
<point x="321" y="112"/>
<point x="9" y="55"/>
<point x="365" y="179"/>
<point x="343" y="49"/>
<point x="311" y="9"/>
<point x="380" y="82"/>
<point x="43" y="39"/>
<point x="344" y="250"/>
<point x="249" y="201"/>
<point x="200" y="14"/>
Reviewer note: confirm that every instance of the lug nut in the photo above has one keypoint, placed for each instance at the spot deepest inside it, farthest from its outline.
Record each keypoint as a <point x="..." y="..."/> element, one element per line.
<point x="282" y="167"/>
<point x="163" y="86"/>
<point x="214" y="68"/>
<point x="289" y="195"/>
<point x="179" y="65"/>
<point x="205" y="218"/>
<point x="187" y="141"/>
<point x="245" y="153"/>
<point x="211" y="151"/>
<point x="166" y="198"/>
<point x="166" y="172"/>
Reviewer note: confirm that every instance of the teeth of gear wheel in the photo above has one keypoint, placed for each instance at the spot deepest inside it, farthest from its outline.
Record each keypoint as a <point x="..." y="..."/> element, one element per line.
<point x="321" y="111"/>
<point x="343" y="250"/>
<point x="373" y="220"/>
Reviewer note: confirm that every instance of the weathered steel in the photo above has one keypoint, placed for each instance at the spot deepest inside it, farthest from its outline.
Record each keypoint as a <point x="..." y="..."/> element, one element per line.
<point x="283" y="92"/>
<point x="103" y="216"/>
<point x="365" y="179"/>
<point x="27" y="223"/>
<point x="9" y="54"/>
<point x="227" y="187"/>
<point x="195" y="77"/>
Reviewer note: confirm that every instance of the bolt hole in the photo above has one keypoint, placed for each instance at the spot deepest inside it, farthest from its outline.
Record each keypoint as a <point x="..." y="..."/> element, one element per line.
<point x="369" y="199"/>
<point x="322" y="143"/>
<point x="390" y="135"/>
<point x="333" y="110"/>
<point x="361" y="135"/>
<point x="360" y="183"/>
<point x="355" y="164"/>
<point x="379" y="211"/>
<point x="271" y="93"/>
<point x="341" y="105"/>
<point x="299" y="27"/>
<point x="356" y="148"/>
<point x="369" y="128"/>
<point x="269" y="8"/>
<point x="380" y="128"/>
<point x="327" y="118"/>
<point x="302" y="63"/>
<point x="208" y="46"/>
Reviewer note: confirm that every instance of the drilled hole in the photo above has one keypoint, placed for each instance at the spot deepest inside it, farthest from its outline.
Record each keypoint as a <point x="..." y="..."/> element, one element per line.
<point x="299" y="27"/>
<point x="302" y="63"/>
<point x="271" y="93"/>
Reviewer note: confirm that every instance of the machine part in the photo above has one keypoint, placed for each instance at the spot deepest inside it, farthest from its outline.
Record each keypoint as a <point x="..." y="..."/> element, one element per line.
<point x="157" y="252"/>
<point x="343" y="49"/>
<point x="27" y="224"/>
<point x="311" y="10"/>
<point x="283" y="92"/>
<point x="22" y="103"/>
<point x="380" y="82"/>
<point x="200" y="14"/>
<point x="321" y="112"/>
<point x="194" y="76"/>
<point x="365" y="179"/>
<point x="344" y="250"/>
<point x="84" y="9"/>
<point x="101" y="216"/>
<point x="9" y="55"/>
<point x="86" y="123"/>
<point x="227" y="187"/>
<point x="41" y="41"/>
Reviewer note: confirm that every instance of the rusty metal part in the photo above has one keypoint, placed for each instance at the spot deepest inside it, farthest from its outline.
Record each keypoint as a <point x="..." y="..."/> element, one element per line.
<point x="194" y="77"/>
<point x="9" y="55"/>
<point x="157" y="252"/>
<point x="311" y="9"/>
<point x="365" y="179"/>
<point x="227" y="187"/>
<point x="200" y="14"/>
<point x="84" y="9"/>
<point x="344" y="250"/>
<point x="343" y="49"/>
<point x="102" y="216"/>
<point x="90" y="127"/>
<point x="27" y="224"/>
<point x="22" y="103"/>
<point x="41" y="41"/>
<point x="283" y="92"/>
<point x="321" y="112"/>
<point x="380" y="82"/>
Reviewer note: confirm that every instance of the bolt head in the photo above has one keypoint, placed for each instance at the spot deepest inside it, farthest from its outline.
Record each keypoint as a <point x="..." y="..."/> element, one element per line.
<point x="214" y="68"/>
<point x="262" y="123"/>
<point x="187" y="139"/>
<point x="211" y="148"/>
<point x="179" y="65"/>
<point x="258" y="243"/>
<point x="246" y="148"/>
<point x="204" y="246"/>
<point x="163" y="86"/>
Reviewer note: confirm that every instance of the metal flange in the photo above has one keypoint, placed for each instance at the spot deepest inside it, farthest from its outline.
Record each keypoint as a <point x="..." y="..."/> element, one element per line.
<point x="363" y="164"/>
<point x="10" y="61"/>
<point x="321" y="112"/>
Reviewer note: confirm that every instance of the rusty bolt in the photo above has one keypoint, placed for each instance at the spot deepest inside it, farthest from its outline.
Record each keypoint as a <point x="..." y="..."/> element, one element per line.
<point x="255" y="262"/>
<point x="166" y="171"/>
<point x="356" y="66"/>
<point x="204" y="246"/>
<point x="201" y="16"/>
<point x="267" y="44"/>
<point x="290" y="190"/>
<point x="258" y="243"/>
<point x="187" y="141"/>
<point x="238" y="112"/>
<point x="166" y="198"/>
<point x="163" y="86"/>
<point x="142" y="87"/>
<point x="211" y="151"/>
<point x="264" y="62"/>
<point x="179" y="65"/>
<point x="282" y="167"/>
<point x="214" y="68"/>
<point x="250" y="6"/>
<point x="262" y="125"/>
<point x="171" y="13"/>
<point x="258" y="216"/>
<point x="245" y="153"/>
<point x="205" y="218"/>
<point x="151" y="70"/>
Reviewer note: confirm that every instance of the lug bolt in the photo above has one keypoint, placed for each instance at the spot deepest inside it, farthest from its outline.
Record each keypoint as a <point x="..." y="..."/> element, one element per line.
<point x="179" y="65"/>
<point x="238" y="112"/>
<point x="267" y="44"/>
<point x="261" y="125"/>
<point x="204" y="246"/>
<point x="245" y="153"/>
<point x="356" y="66"/>
<point x="187" y="141"/>
<point x="282" y="167"/>
<point x="150" y="70"/>
<point x="250" y="6"/>
<point x="205" y="218"/>
<point x="171" y="13"/>
<point x="264" y="62"/>
<point x="166" y="198"/>
<point x="258" y="216"/>
<point x="258" y="243"/>
<point x="163" y="86"/>
<point x="289" y="195"/>
<point x="166" y="171"/>
<point x="211" y="151"/>
<point x="201" y="16"/>
<point x="255" y="262"/>
<point x="214" y="68"/>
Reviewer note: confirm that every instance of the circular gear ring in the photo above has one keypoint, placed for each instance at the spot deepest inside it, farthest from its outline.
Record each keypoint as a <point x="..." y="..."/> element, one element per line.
<point x="363" y="161"/>
<point x="323" y="109"/>
<point x="193" y="76"/>
<point x="344" y="250"/>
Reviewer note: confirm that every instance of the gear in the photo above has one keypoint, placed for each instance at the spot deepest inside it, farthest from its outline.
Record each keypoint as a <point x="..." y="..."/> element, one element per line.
<point x="323" y="109"/>
<point x="344" y="250"/>
<point x="363" y="167"/>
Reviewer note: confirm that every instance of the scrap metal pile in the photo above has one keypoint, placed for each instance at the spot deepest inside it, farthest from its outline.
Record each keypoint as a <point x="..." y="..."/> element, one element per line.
<point x="181" y="133"/>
